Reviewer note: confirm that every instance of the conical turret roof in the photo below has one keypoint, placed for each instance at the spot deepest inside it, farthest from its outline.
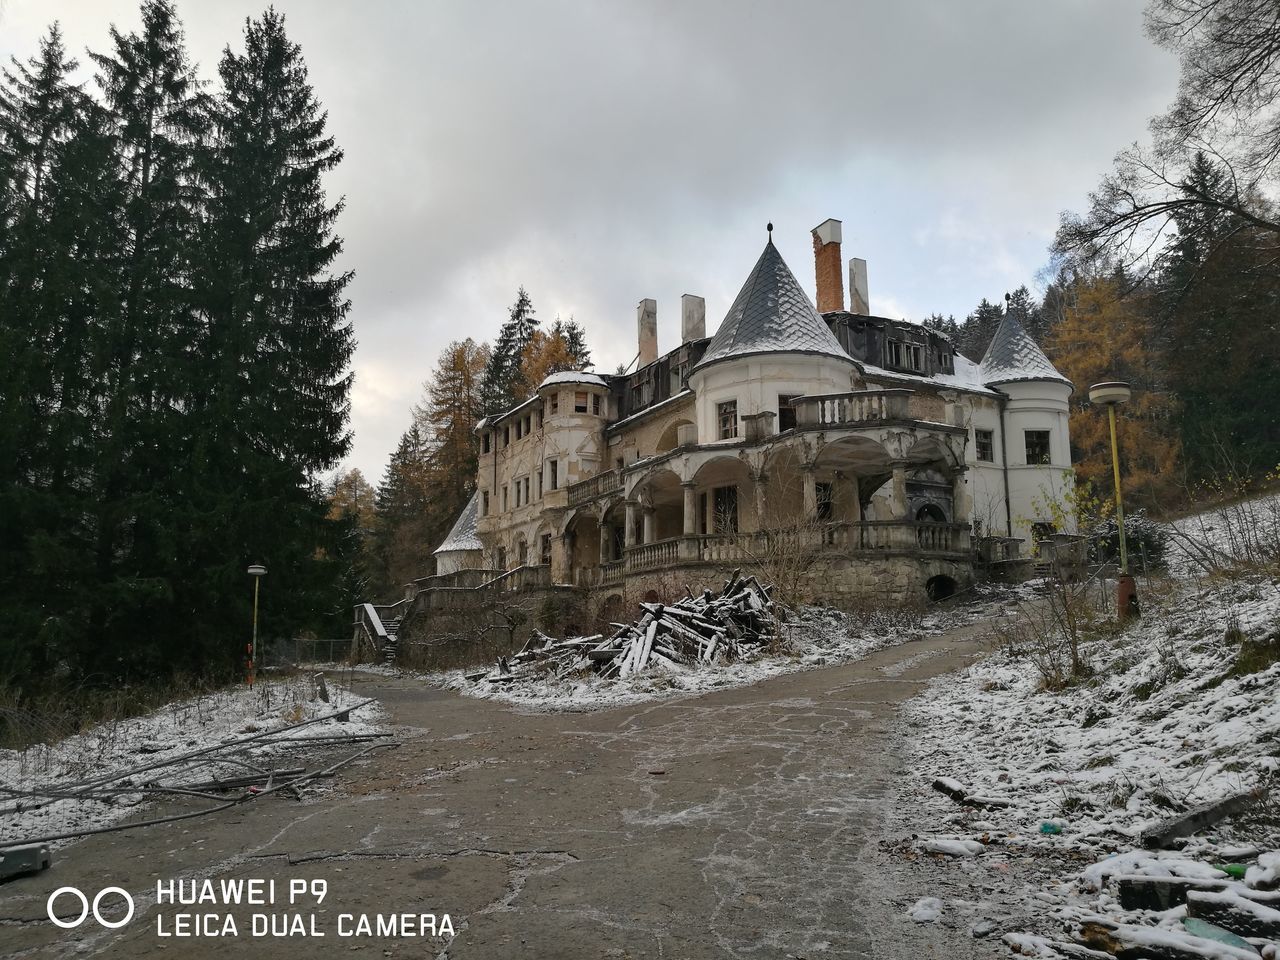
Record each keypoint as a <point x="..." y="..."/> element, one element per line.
<point x="463" y="534"/>
<point x="772" y="314"/>
<point x="1014" y="355"/>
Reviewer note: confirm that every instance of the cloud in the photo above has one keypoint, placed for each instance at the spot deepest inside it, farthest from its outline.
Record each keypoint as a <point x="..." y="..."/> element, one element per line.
<point x="601" y="153"/>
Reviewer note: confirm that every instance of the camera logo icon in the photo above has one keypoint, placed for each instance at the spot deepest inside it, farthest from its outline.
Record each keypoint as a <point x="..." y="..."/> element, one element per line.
<point x="85" y="907"/>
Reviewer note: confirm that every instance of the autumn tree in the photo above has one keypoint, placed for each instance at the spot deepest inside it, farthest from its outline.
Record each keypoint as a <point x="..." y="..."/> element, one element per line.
<point x="451" y="409"/>
<point x="1105" y="335"/>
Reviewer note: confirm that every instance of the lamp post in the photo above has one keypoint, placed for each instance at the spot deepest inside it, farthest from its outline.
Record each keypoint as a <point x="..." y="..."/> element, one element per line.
<point x="257" y="571"/>
<point x="1111" y="394"/>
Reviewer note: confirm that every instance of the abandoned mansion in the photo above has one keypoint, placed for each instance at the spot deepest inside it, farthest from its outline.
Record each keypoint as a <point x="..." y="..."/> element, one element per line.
<point x="867" y="443"/>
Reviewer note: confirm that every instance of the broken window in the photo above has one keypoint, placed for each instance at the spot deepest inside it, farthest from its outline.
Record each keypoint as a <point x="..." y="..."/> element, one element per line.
<point x="727" y="416"/>
<point x="725" y="517"/>
<point x="984" y="444"/>
<point x="893" y="353"/>
<point x="580" y="401"/>
<point x="554" y="400"/>
<point x="484" y="441"/>
<point x="595" y="404"/>
<point x="826" y="498"/>
<point x="787" y="411"/>
<point x="1037" y="446"/>
<point x="555" y="474"/>
<point x="544" y="549"/>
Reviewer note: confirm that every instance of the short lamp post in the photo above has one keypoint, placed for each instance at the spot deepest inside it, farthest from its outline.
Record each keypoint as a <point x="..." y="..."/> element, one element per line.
<point x="257" y="571"/>
<point x="1111" y="394"/>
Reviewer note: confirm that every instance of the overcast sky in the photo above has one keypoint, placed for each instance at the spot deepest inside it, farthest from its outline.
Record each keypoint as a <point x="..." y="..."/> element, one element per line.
<point x="599" y="153"/>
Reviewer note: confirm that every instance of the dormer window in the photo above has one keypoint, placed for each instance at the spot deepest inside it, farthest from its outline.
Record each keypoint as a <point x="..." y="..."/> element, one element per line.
<point x="906" y="356"/>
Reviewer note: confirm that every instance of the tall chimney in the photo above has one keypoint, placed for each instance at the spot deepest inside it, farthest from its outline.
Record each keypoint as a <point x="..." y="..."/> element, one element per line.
<point x="693" y="318"/>
<point x="859" y="300"/>
<point x="647" y="330"/>
<point x="827" y="263"/>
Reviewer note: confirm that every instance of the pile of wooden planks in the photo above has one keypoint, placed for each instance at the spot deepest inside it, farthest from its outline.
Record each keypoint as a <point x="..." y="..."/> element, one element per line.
<point x="699" y="629"/>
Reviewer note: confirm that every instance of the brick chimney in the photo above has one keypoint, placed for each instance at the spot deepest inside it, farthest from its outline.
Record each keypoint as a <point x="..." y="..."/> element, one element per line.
<point x="859" y="299"/>
<point x="647" y="331"/>
<point x="693" y="318"/>
<point x="828" y="265"/>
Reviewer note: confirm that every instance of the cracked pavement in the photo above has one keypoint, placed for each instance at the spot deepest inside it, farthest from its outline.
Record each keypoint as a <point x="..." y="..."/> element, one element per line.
<point x="745" y="823"/>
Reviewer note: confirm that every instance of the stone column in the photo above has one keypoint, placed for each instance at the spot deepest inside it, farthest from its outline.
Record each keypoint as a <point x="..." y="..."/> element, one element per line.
<point x="650" y="524"/>
<point x="630" y="535"/>
<point x="855" y="508"/>
<point x="604" y="543"/>
<point x="760" y="485"/>
<point x="959" y="497"/>
<point x="560" y="572"/>
<point x="810" y="492"/>
<point x="898" y="498"/>
<point x="690" y="509"/>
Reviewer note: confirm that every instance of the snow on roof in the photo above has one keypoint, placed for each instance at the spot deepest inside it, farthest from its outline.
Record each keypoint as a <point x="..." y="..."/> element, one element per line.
<point x="463" y="534"/>
<point x="967" y="375"/>
<point x="1013" y="355"/>
<point x="771" y="314"/>
<point x="574" y="376"/>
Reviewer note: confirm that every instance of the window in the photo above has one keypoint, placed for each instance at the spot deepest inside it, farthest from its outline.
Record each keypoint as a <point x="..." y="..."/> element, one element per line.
<point x="519" y="425"/>
<point x="825" y="499"/>
<point x="555" y="474"/>
<point x="517" y="493"/>
<point x="526" y="490"/>
<point x="725" y="518"/>
<point x="502" y="558"/>
<point x="528" y="422"/>
<point x="504" y="498"/>
<point x="595" y="404"/>
<point x="539" y="419"/>
<point x="945" y="362"/>
<point x="506" y="436"/>
<point x="540" y="484"/>
<point x="484" y="503"/>
<point x="727" y="415"/>
<point x="580" y="401"/>
<point x="544" y="549"/>
<point x="912" y="356"/>
<point x="555" y="403"/>
<point x="984" y="443"/>
<point x="1037" y="446"/>
<point x="522" y="552"/>
<point x="484" y="441"/>
<point x="894" y="353"/>
<point x="787" y="411"/>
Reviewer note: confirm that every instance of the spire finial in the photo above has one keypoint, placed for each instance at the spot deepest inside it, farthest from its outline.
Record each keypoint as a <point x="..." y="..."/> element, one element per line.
<point x="769" y="227"/>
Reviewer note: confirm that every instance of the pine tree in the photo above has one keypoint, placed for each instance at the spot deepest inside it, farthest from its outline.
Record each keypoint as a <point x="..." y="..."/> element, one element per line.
<point x="978" y="329"/>
<point x="504" y="385"/>
<point x="275" y="346"/>
<point x="575" y="338"/>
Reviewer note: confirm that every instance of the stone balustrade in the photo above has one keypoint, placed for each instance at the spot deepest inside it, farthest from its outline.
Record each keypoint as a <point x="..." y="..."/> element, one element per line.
<point x="859" y="406"/>
<point x="602" y="484"/>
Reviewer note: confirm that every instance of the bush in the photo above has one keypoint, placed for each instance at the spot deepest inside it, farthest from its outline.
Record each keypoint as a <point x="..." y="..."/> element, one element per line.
<point x="1147" y="541"/>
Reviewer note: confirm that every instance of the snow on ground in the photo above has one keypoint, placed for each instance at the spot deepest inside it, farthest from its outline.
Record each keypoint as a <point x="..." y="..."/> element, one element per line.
<point x="1237" y="533"/>
<point x="1172" y="718"/>
<point x="179" y="728"/>
<point x="817" y="638"/>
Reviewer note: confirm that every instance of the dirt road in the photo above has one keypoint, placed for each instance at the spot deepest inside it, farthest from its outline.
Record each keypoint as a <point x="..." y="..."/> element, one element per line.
<point x="740" y="824"/>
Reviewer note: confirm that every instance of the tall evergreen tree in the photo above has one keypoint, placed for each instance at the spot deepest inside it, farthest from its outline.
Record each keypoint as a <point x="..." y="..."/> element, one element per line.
<point x="273" y="355"/>
<point x="504" y="385"/>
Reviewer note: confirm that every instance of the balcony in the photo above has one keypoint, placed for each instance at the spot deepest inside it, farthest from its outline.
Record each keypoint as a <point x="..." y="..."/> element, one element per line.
<point x="601" y="485"/>
<point x="866" y="538"/>
<point x="847" y="409"/>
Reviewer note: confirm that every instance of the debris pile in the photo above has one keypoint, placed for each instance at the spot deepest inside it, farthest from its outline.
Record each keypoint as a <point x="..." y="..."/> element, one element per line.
<point x="699" y="629"/>
<point x="208" y="779"/>
<point x="1171" y="907"/>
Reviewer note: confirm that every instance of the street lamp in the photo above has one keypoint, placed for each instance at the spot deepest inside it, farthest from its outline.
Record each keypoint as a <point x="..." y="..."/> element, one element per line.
<point x="1111" y="394"/>
<point x="257" y="571"/>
